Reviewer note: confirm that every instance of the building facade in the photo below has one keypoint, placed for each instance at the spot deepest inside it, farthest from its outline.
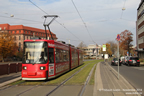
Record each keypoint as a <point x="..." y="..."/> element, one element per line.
<point x="140" y="29"/>
<point x="21" y="33"/>
<point x="92" y="51"/>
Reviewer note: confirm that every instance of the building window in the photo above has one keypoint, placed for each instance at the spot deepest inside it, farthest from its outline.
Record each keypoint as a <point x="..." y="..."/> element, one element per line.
<point x="24" y="37"/>
<point x="24" y="31"/>
<point x="19" y="31"/>
<point x="19" y="37"/>
<point x="15" y="37"/>
<point x="27" y="32"/>
<point x="19" y="46"/>
<point x="15" y="31"/>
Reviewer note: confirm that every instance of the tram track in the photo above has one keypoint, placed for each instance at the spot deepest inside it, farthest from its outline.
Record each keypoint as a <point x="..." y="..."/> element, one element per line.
<point x="48" y="81"/>
<point x="82" y="89"/>
<point x="53" y="90"/>
<point x="86" y="82"/>
<point x="31" y="88"/>
<point x="11" y="86"/>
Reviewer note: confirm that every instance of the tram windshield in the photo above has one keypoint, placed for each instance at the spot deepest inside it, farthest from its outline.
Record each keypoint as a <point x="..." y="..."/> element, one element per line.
<point x="35" y="53"/>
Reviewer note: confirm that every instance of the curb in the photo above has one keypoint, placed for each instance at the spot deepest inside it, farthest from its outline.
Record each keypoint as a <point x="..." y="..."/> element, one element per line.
<point x="122" y="78"/>
<point x="10" y="81"/>
<point x="95" y="79"/>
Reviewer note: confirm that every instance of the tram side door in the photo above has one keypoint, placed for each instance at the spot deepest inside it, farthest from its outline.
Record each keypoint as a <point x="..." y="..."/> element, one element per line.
<point x="51" y="61"/>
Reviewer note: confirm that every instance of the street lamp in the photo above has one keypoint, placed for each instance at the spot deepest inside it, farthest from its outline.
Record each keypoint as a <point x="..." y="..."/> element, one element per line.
<point x="11" y="15"/>
<point x="123" y="9"/>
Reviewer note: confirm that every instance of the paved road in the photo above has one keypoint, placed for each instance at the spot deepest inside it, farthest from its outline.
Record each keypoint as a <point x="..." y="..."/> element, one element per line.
<point x="11" y="76"/>
<point x="135" y="75"/>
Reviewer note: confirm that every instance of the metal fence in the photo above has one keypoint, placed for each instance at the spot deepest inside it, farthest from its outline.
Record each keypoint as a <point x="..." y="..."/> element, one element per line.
<point x="10" y="68"/>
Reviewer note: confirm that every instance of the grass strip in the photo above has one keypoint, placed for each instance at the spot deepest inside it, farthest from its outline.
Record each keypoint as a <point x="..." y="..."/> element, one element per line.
<point x="91" y="82"/>
<point x="79" y="79"/>
<point x="55" y="81"/>
<point x="60" y="79"/>
<point x="17" y="82"/>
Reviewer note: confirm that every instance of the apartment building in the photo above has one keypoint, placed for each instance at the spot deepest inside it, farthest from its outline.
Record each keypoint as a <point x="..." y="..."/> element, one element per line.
<point x="91" y="51"/>
<point x="22" y="33"/>
<point x="140" y="29"/>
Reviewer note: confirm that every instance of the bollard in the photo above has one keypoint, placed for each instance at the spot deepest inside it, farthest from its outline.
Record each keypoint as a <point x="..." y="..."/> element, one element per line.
<point x="16" y="67"/>
<point x="8" y="68"/>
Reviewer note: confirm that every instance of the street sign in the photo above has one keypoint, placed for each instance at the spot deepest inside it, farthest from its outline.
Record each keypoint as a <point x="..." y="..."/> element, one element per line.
<point x="104" y="47"/>
<point x="118" y="37"/>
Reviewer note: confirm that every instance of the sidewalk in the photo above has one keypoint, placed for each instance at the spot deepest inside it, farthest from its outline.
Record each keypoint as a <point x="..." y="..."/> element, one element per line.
<point x="107" y="83"/>
<point x="6" y="79"/>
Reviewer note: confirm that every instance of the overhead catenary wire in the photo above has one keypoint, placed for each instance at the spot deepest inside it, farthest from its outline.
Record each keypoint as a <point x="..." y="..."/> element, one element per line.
<point x="55" y="20"/>
<point x="82" y="20"/>
<point x="21" y="19"/>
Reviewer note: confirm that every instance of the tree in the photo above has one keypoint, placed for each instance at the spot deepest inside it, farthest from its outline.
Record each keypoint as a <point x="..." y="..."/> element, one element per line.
<point x="81" y="45"/>
<point x="113" y="46"/>
<point x="126" y="41"/>
<point x="7" y="45"/>
<point x="108" y="50"/>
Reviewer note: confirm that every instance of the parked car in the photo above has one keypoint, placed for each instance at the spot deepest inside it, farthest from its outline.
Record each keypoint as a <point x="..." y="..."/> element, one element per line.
<point x="115" y="62"/>
<point x="122" y="59"/>
<point x="126" y="59"/>
<point x="133" y="61"/>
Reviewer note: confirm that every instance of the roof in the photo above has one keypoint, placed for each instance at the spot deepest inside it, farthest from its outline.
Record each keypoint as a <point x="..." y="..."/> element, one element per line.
<point x="140" y="4"/>
<point x="21" y="27"/>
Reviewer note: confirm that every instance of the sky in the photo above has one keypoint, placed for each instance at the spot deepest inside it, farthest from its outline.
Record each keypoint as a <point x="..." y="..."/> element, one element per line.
<point x="87" y="21"/>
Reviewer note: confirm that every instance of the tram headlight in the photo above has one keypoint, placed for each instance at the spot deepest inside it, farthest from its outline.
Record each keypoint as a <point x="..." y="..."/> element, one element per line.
<point x="24" y="67"/>
<point x="42" y="68"/>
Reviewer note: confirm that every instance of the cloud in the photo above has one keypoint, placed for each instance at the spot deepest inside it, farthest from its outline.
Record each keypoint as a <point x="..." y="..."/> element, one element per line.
<point x="102" y="17"/>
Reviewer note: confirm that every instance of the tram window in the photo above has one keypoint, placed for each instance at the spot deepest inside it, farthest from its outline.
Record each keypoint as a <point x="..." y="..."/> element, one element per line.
<point x="34" y="52"/>
<point x="51" y="55"/>
<point x="61" y="56"/>
<point x="57" y="53"/>
<point x="64" y="55"/>
<point x="67" y="56"/>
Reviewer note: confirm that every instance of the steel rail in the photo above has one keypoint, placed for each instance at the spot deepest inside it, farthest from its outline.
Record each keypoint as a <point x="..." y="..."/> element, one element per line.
<point x="64" y="81"/>
<point x="86" y="82"/>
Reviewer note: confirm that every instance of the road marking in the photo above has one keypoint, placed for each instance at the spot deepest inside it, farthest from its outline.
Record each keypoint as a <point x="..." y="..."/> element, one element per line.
<point x="138" y="68"/>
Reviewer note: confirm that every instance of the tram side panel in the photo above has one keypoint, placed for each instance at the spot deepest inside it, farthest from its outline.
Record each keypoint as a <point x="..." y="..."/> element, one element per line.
<point x="80" y="57"/>
<point x="61" y="58"/>
<point x="74" y="57"/>
<point x="77" y="57"/>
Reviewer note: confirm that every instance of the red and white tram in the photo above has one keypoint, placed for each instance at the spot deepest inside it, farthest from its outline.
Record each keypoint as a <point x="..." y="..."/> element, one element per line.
<point x="45" y="59"/>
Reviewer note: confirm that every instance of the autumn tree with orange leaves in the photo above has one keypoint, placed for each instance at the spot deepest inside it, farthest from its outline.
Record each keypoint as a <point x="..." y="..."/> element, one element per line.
<point x="126" y="41"/>
<point x="7" y="45"/>
<point x="108" y="50"/>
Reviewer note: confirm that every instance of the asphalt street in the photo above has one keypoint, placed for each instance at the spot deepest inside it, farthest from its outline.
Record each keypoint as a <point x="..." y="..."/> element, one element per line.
<point x="134" y="75"/>
<point x="6" y="77"/>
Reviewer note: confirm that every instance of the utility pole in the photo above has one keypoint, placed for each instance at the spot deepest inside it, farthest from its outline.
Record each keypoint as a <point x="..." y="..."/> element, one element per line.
<point x="118" y="39"/>
<point x="118" y="59"/>
<point x="69" y="41"/>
